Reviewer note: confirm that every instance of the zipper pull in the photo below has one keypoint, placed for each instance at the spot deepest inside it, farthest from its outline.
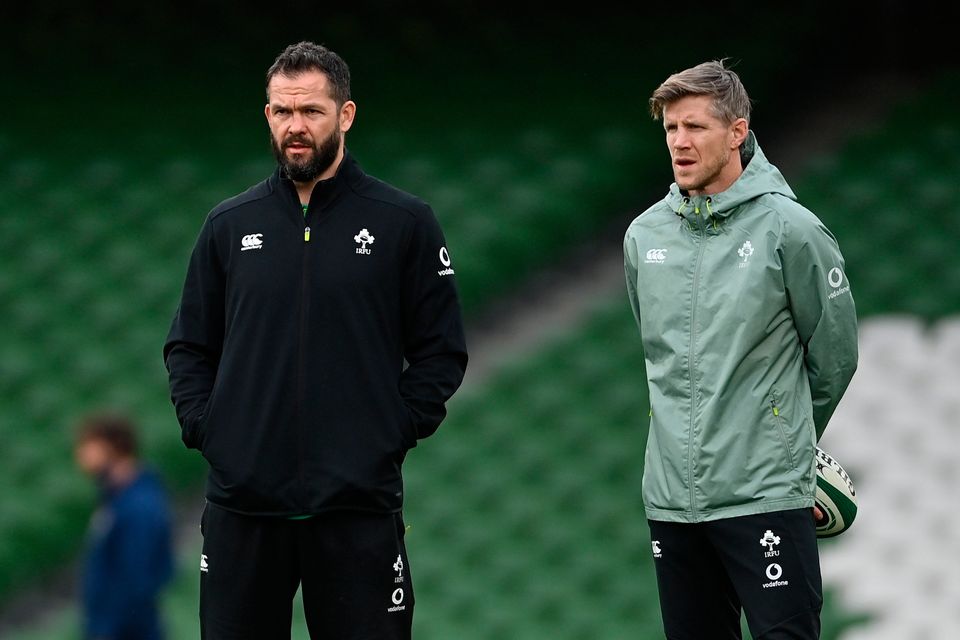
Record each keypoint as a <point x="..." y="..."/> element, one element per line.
<point x="306" y="234"/>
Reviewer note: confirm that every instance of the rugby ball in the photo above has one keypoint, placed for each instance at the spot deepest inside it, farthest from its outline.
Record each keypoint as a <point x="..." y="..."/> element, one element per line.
<point x="835" y="496"/>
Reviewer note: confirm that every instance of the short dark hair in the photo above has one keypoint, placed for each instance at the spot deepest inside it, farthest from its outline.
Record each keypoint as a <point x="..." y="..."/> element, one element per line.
<point x="308" y="56"/>
<point x="115" y="429"/>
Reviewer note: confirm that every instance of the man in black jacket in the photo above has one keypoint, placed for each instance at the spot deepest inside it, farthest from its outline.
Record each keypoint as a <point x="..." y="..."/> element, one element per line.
<point x="304" y="297"/>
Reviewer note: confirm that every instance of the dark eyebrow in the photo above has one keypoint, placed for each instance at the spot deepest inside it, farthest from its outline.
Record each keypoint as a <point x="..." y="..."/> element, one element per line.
<point x="309" y="106"/>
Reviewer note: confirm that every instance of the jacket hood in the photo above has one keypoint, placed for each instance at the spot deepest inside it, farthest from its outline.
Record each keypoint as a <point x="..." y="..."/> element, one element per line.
<point x="759" y="177"/>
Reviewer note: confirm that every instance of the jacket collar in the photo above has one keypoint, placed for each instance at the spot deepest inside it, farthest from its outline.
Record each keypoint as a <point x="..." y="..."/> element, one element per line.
<point x="759" y="177"/>
<point x="326" y="191"/>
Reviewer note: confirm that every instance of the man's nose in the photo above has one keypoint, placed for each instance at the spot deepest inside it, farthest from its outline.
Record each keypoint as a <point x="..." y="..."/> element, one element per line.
<point x="681" y="140"/>
<point x="296" y="122"/>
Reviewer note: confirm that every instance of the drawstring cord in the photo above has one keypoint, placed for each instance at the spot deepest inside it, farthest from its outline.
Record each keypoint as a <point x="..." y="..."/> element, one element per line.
<point x="696" y="210"/>
<point x="710" y="211"/>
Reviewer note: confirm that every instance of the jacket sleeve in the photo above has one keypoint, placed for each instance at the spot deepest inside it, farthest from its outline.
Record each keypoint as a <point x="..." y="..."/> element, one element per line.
<point x="630" y="267"/>
<point x="823" y="311"/>
<point x="433" y="336"/>
<point x="195" y="342"/>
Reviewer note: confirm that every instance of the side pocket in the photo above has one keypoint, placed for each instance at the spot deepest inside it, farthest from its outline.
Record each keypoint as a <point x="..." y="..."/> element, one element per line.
<point x="408" y="430"/>
<point x="199" y="430"/>
<point x="784" y="441"/>
<point x="190" y="433"/>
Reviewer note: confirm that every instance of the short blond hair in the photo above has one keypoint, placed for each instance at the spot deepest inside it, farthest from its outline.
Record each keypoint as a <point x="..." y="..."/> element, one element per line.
<point x="714" y="79"/>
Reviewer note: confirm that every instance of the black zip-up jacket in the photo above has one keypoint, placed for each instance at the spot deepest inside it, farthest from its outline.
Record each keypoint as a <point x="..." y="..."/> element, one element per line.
<point x="286" y="354"/>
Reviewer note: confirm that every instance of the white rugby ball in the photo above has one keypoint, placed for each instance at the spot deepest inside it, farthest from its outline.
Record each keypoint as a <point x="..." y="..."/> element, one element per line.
<point x="835" y="497"/>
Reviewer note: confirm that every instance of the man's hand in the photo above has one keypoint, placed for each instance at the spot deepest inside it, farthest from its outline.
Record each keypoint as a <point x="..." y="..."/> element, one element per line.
<point x="817" y="514"/>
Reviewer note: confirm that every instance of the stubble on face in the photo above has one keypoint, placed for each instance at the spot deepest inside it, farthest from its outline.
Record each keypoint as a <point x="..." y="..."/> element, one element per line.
<point x="708" y="174"/>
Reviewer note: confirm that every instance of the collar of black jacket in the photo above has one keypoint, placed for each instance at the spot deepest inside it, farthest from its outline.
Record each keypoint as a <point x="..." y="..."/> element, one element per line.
<point x="325" y="191"/>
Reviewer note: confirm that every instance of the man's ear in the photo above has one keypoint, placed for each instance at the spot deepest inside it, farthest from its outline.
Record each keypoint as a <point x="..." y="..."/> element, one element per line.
<point x="347" y="113"/>
<point x="266" y="111"/>
<point x="740" y="128"/>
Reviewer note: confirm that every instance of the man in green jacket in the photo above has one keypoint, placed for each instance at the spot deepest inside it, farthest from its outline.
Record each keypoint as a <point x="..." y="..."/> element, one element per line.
<point x="750" y="338"/>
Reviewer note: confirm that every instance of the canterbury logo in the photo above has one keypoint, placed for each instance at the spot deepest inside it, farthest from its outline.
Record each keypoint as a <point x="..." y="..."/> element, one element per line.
<point x="252" y="241"/>
<point x="656" y="256"/>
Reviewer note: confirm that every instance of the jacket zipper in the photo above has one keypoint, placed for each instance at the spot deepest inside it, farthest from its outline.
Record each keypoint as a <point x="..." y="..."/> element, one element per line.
<point x="783" y="434"/>
<point x="691" y="370"/>
<point x="301" y="366"/>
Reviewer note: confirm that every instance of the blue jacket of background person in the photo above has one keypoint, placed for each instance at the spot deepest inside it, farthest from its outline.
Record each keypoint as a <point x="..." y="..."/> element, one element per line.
<point x="128" y="561"/>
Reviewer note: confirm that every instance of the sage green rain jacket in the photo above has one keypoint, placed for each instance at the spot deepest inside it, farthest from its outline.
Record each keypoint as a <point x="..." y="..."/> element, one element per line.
<point x="750" y="337"/>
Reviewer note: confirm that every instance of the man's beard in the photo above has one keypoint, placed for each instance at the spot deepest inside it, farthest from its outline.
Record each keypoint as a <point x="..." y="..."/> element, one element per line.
<point x="307" y="169"/>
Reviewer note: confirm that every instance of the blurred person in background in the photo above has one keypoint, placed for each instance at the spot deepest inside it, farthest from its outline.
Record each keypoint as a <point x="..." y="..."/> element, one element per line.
<point x="750" y="338"/>
<point x="129" y="555"/>
<point x="304" y="298"/>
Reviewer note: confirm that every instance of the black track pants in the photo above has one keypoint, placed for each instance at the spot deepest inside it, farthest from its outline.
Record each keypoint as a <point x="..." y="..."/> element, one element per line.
<point x="768" y="564"/>
<point x="352" y="567"/>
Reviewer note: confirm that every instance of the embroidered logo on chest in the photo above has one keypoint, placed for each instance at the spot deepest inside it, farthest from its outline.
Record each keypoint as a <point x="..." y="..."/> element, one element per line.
<point x="656" y="256"/>
<point x="364" y="239"/>
<point x="745" y="251"/>
<point x="251" y="241"/>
